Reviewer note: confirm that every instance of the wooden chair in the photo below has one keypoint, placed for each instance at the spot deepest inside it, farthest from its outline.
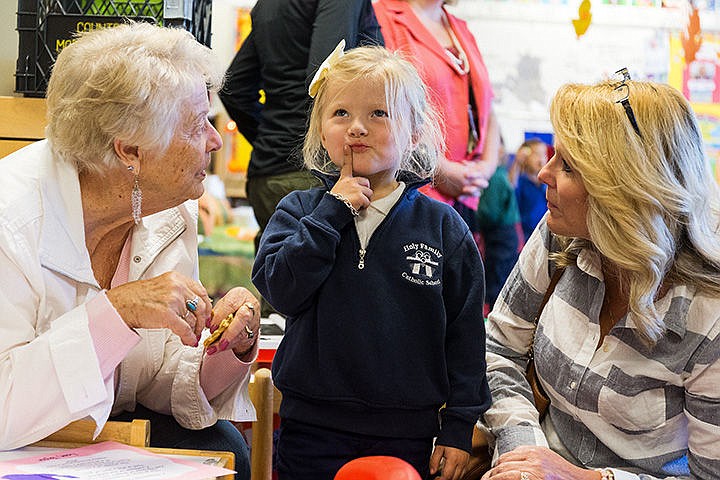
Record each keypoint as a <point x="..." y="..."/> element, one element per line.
<point x="22" y="121"/>
<point x="135" y="433"/>
<point x="266" y="399"/>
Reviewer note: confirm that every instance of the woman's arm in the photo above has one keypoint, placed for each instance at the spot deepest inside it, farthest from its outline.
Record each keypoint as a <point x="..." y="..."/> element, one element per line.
<point x="513" y="418"/>
<point x="49" y="371"/>
<point x="241" y="92"/>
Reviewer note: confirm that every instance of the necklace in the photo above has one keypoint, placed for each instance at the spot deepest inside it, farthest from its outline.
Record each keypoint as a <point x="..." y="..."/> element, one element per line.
<point x="459" y="61"/>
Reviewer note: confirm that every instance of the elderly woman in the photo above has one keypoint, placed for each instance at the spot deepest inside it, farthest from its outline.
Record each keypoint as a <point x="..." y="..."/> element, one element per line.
<point x="102" y="311"/>
<point x="627" y="345"/>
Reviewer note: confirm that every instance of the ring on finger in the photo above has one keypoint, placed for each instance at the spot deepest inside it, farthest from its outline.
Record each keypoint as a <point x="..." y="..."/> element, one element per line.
<point x="524" y="476"/>
<point x="250" y="307"/>
<point x="248" y="330"/>
<point x="192" y="304"/>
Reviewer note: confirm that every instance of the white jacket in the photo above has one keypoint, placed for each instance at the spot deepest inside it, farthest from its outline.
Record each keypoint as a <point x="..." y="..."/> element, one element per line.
<point x="49" y="370"/>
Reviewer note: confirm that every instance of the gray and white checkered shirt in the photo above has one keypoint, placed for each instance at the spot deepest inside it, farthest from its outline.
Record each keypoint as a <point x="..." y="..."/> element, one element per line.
<point x="646" y="412"/>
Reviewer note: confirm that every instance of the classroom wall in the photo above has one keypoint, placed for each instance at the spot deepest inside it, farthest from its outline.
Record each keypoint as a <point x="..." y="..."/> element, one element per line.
<point x="8" y="46"/>
<point x="530" y="48"/>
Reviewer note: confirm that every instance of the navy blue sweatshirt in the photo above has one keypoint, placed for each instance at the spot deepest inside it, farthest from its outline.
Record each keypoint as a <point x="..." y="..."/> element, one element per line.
<point x="377" y="347"/>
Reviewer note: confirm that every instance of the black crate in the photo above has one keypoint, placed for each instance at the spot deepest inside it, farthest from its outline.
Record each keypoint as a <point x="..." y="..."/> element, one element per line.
<point x="46" y="26"/>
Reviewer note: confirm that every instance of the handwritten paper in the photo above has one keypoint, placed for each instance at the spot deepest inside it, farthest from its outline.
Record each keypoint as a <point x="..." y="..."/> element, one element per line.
<point x="105" y="460"/>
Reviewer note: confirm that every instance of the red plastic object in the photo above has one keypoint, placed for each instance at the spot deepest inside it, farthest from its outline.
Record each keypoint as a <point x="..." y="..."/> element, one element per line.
<point x="266" y="355"/>
<point x="377" y="468"/>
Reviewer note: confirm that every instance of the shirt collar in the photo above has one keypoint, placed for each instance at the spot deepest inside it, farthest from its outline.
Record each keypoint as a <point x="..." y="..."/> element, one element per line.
<point x="386" y="203"/>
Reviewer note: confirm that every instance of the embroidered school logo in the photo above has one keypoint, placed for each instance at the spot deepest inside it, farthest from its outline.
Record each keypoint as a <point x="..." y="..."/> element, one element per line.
<point x="423" y="262"/>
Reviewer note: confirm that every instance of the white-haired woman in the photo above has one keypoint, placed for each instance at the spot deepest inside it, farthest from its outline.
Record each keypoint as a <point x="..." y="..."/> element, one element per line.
<point x="627" y="345"/>
<point x="102" y="311"/>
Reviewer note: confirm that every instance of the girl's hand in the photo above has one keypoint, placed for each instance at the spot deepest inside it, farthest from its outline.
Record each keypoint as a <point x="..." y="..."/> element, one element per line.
<point x="244" y="330"/>
<point x="538" y="463"/>
<point x="356" y="190"/>
<point x="161" y="302"/>
<point x="454" y="462"/>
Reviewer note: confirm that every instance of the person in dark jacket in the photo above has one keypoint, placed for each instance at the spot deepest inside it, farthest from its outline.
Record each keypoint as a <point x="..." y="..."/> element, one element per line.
<point x="382" y="286"/>
<point x="288" y="41"/>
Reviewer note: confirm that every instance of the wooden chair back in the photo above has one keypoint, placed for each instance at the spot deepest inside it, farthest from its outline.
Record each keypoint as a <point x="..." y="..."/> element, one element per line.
<point x="22" y="121"/>
<point x="266" y="399"/>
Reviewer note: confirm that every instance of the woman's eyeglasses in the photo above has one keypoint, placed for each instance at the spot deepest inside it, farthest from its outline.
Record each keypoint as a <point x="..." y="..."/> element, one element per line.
<point x="622" y="95"/>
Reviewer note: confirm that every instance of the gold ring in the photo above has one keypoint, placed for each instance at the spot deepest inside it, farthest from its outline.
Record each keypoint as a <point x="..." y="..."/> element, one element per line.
<point x="250" y="307"/>
<point x="524" y="476"/>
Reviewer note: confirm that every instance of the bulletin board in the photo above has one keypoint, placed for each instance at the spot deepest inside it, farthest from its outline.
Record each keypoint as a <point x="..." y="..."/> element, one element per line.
<point x="540" y="50"/>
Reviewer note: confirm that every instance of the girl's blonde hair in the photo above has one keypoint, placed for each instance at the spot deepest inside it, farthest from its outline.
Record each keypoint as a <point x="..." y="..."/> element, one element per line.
<point x="410" y="112"/>
<point x="653" y="204"/>
<point x="128" y="82"/>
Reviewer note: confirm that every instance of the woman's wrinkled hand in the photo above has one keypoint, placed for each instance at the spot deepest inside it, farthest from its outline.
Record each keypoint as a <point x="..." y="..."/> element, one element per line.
<point x="537" y="463"/>
<point x="459" y="179"/>
<point x="243" y="331"/>
<point x="162" y="302"/>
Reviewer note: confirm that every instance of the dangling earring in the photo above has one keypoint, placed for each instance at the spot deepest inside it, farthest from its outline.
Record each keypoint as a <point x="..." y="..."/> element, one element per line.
<point x="136" y="198"/>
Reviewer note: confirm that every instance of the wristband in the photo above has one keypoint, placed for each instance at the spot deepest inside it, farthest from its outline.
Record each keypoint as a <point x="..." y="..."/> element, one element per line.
<point x="347" y="203"/>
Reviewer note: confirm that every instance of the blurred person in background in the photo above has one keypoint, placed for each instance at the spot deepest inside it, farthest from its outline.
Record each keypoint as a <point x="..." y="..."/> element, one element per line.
<point x="288" y="42"/>
<point x="446" y="54"/>
<point x="529" y="190"/>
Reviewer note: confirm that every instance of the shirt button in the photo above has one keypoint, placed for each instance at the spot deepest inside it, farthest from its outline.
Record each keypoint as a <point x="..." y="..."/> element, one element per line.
<point x="573" y="385"/>
<point x="137" y="259"/>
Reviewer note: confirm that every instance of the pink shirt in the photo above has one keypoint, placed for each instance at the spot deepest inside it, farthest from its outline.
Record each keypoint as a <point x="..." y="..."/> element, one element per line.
<point x="448" y="87"/>
<point x="113" y="339"/>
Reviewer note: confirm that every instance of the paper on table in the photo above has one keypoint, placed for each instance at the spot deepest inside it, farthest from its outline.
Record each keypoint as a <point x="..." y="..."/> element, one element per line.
<point x="105" y="460"/>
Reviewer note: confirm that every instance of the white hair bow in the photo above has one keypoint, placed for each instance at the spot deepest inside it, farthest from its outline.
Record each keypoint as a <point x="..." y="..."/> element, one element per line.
<point x="322" y="72"/>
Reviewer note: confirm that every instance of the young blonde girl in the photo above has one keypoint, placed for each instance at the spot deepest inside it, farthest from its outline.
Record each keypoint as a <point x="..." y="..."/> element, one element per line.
<point x="382" y="286"/>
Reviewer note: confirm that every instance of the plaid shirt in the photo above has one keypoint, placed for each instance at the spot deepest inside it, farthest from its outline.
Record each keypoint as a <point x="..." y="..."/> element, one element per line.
<point x="645" y="412"/>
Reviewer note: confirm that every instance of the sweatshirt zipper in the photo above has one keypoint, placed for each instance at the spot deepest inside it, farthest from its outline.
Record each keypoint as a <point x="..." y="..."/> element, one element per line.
<point x="363" y="251"/>
<point x="361" y="263"/>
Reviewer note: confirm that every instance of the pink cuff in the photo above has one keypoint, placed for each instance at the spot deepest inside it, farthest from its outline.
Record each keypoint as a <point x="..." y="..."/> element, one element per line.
<point x="219" y="370"/>
<point x="112" y="338"/>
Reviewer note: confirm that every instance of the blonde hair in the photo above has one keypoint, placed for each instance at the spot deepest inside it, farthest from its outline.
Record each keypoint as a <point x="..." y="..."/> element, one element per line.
<point x="408" y="107"/>
<point x="128" y="82"/>
<point x="653" y="204"/>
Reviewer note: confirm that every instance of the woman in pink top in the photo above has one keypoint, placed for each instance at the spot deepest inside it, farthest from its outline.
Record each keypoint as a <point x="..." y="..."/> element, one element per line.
<point x="446" y="54"/>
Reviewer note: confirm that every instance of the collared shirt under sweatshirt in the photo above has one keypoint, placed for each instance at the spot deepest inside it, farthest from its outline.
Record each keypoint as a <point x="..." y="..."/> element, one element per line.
<point x="378" y="339"/>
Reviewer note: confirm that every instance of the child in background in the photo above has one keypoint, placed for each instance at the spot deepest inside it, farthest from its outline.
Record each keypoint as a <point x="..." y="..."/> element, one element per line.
<point x="529" y="191"/>
<point x="498" y="220"/>
<point x="382" y="286"/>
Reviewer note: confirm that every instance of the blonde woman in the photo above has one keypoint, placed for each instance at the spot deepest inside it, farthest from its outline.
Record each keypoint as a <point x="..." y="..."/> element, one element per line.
<point x="627" y="346"/>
